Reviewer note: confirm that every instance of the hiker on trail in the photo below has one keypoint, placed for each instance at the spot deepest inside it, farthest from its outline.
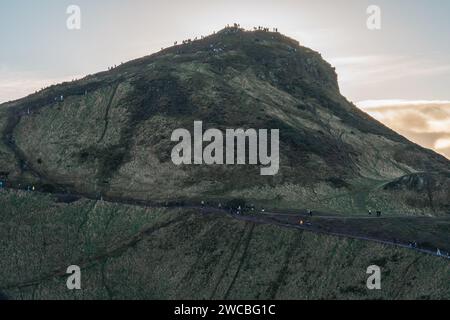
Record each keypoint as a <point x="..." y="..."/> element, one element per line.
<point x="370" y="212"/>
<point x="412" y="244"/>
<point x="203" y="204"/>
<point x="310" y="213"/>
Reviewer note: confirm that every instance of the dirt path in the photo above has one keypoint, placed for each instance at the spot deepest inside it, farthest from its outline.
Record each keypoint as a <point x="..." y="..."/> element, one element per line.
<point x="228" y="263"/>
<point x="241" y="261"/>
<point x="315" y="229"/>
<point x="8" y="139"/>
<point x="108" y="107"/>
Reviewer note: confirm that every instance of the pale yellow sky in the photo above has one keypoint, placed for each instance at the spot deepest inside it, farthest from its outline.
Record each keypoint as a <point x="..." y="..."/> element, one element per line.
<point x="424" y="122"/>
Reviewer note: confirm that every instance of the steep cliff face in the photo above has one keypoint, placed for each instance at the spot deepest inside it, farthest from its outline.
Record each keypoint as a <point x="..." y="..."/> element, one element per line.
<point x="110" y="133"/>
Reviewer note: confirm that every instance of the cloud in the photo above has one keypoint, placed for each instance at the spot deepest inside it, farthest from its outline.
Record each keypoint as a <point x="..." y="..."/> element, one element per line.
<point x="374" y="69"/>
<point x="393" y="103"/>
<point x="424" y="122"/>
<point x="442" y="143"/>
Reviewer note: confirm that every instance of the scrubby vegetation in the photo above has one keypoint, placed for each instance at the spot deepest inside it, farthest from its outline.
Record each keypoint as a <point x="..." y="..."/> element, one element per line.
<point x="128" y="252"/>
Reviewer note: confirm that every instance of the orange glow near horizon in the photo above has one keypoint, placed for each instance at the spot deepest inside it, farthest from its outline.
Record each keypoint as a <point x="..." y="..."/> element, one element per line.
<point x="426" y="123"/>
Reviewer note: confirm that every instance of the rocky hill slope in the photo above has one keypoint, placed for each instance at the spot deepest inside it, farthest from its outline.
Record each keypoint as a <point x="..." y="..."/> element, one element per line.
<point x="109" y="133"/>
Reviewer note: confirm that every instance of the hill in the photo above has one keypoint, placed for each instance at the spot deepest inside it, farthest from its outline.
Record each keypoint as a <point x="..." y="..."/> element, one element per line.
<point x="130" y="252"/>
<point x="108" y="198"/>
<point x="110" y="132"/>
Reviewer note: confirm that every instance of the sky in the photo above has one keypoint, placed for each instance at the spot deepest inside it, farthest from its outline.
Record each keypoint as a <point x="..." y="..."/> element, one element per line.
<point x="405" y="62"/>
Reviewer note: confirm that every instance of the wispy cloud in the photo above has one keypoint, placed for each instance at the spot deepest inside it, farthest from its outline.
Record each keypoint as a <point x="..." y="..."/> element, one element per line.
<point x="426" y="122"/>
<point x="374" y="69"/>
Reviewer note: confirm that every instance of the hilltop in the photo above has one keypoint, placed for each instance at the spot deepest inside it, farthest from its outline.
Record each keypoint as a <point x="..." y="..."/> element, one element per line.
<point x="109" y="133"/>
<point x="111" y="200"/>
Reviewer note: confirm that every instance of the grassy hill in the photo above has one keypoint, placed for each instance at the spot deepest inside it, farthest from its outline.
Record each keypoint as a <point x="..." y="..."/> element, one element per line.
<point x="128" y="252"/>
<point x="108" y="136"/>
<point x="111" y="133"/>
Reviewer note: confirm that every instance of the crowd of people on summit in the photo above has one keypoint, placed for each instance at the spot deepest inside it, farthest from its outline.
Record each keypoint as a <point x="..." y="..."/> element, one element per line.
<point x="228" y="28"/>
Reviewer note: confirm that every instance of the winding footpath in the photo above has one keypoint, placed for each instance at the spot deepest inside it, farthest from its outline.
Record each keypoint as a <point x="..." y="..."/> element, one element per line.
<point x="65" y="192"/>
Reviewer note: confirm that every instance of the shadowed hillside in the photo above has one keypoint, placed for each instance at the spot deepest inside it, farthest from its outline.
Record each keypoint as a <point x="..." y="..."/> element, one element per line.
<point x="110" y="134"/>
<point x="111" y="200"/>
<point x="129" y="252"/>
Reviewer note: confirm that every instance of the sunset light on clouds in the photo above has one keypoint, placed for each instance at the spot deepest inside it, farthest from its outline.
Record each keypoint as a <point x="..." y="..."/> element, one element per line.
<point x="425" y="122"/>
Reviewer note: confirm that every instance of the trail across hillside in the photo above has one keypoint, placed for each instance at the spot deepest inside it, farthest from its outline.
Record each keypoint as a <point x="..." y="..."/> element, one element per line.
<point x="316" y="224"/>
<point x="275" y="217"/>
<point x="314" y="228"/>
<point x="280" y="219"/>
<point x="108" y="108"/>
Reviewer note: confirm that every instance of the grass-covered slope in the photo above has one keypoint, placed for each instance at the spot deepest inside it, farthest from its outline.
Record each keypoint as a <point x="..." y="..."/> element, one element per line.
<point x="140" y="253"/>
<point x="111" y="134"/>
